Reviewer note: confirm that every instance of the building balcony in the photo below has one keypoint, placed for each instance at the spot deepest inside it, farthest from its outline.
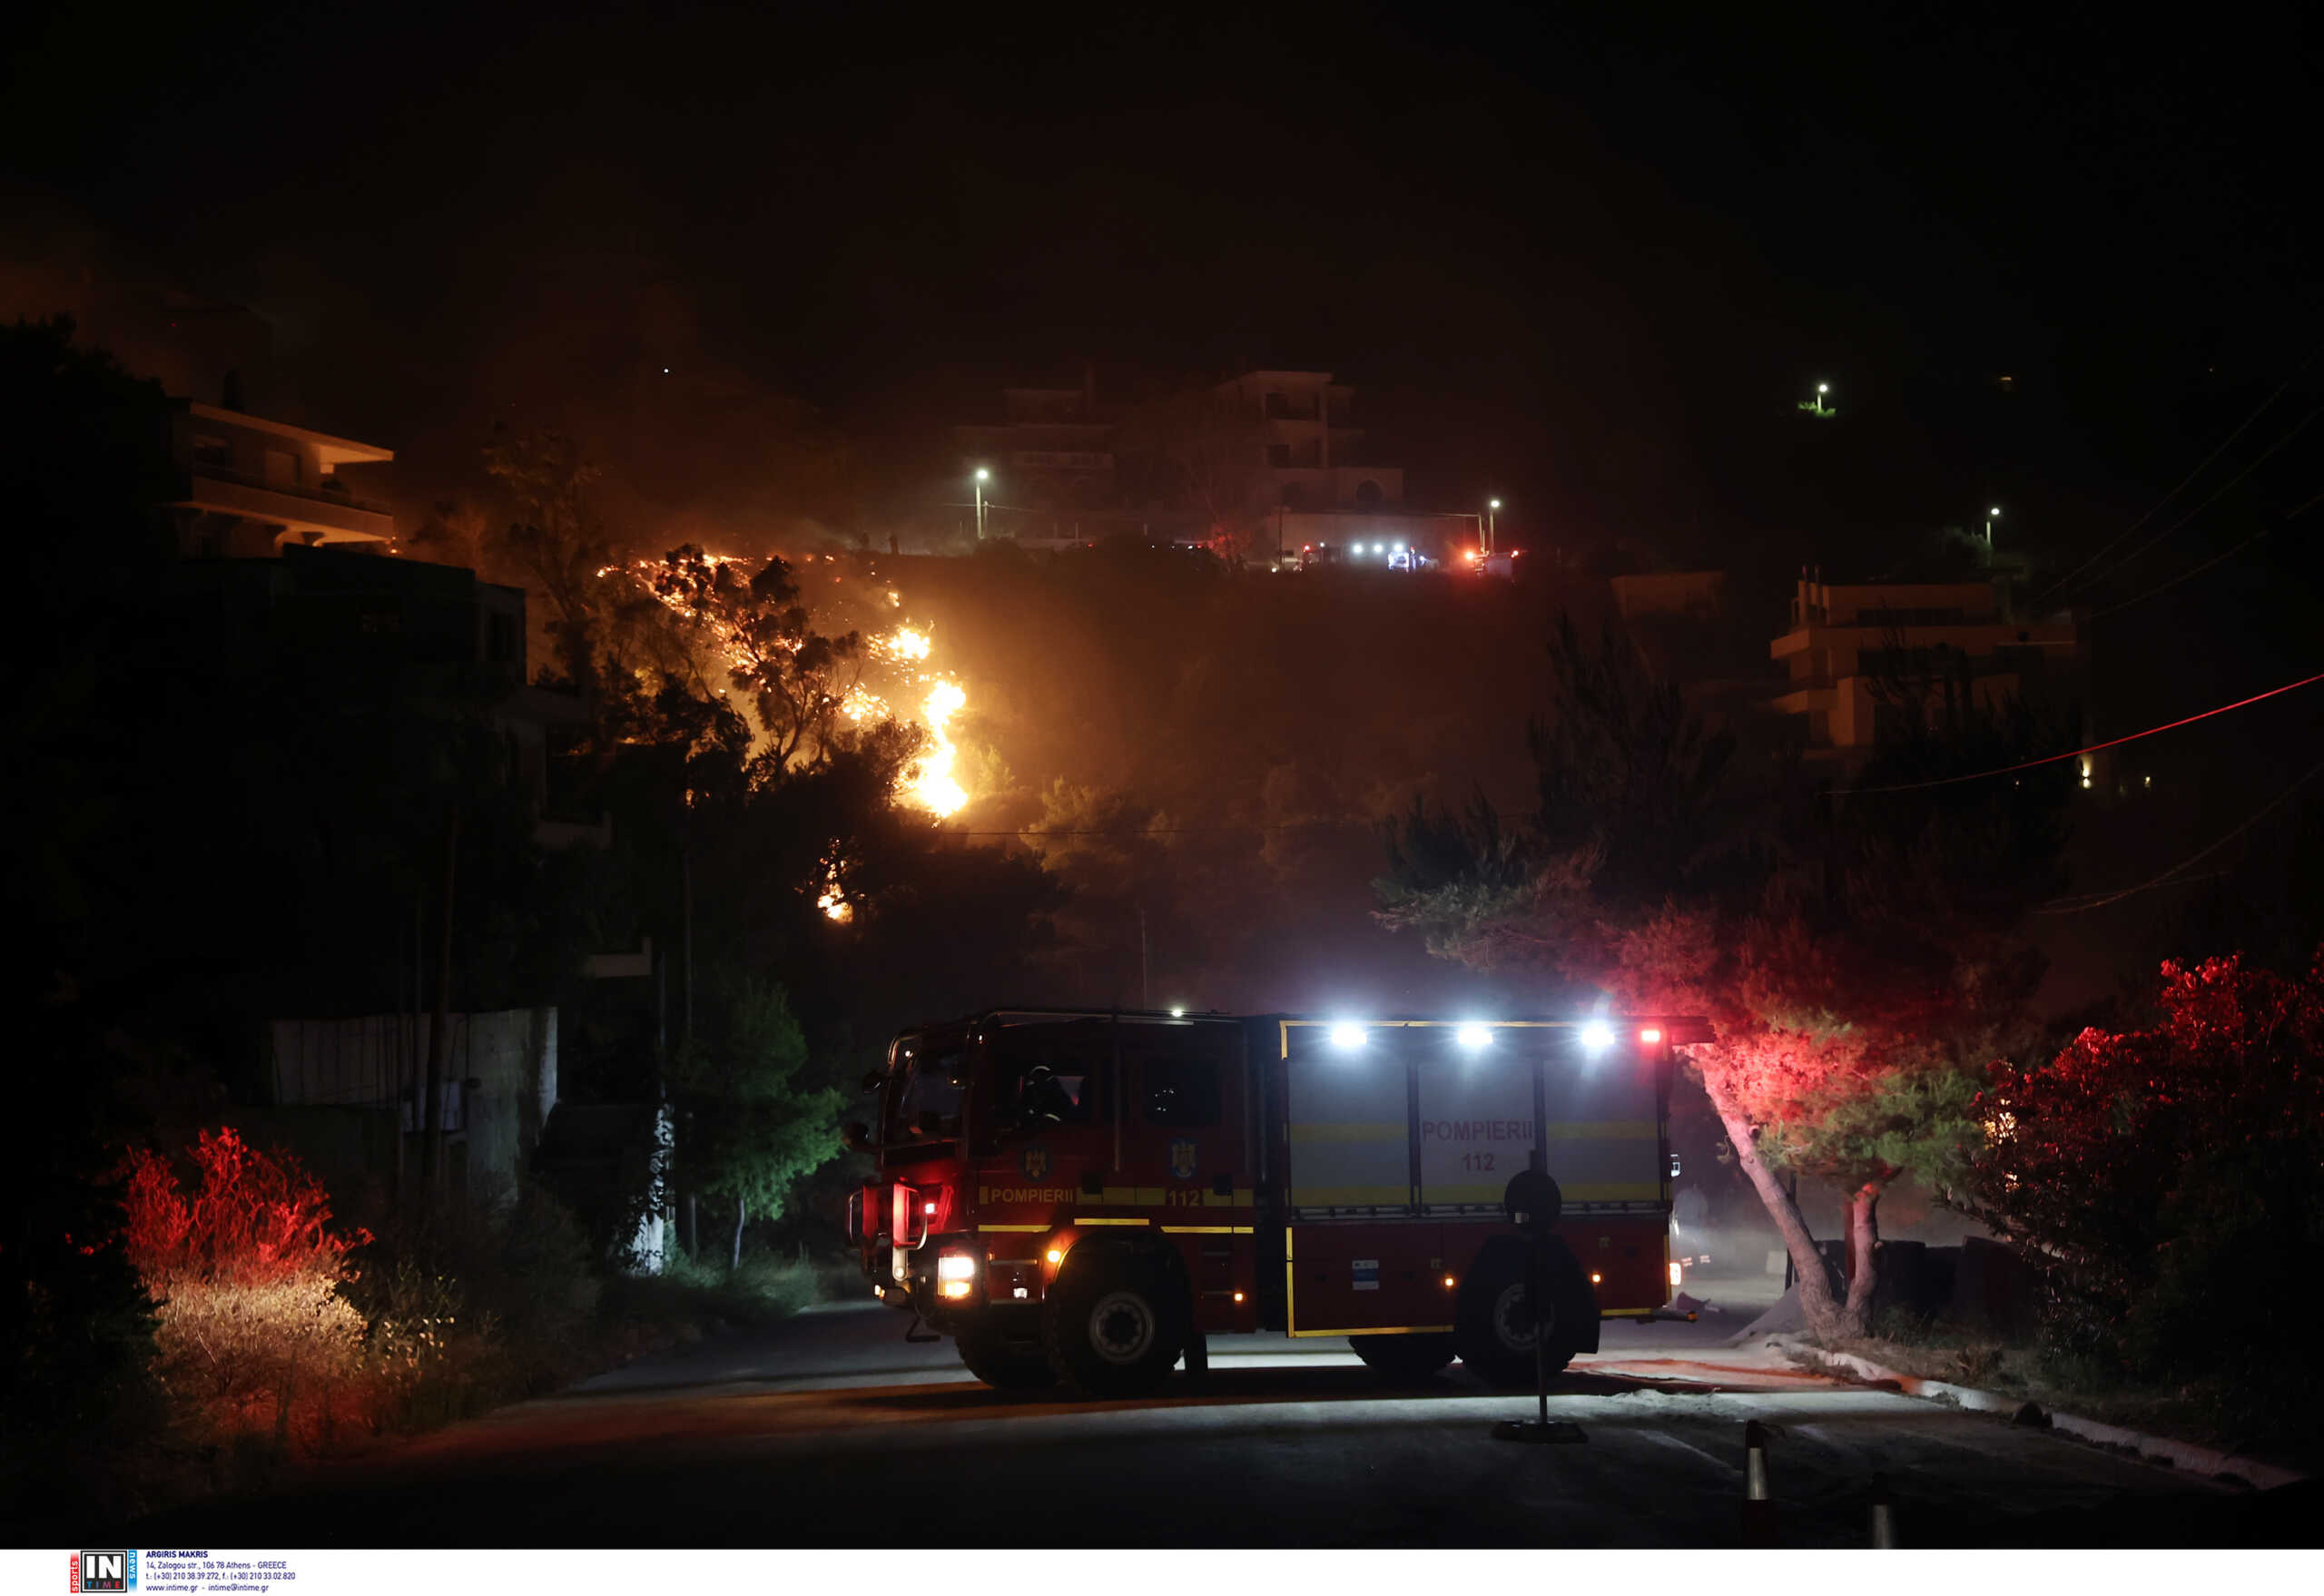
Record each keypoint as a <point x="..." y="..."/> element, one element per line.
<point x="331" y="516"/>
<point x="1808" y="700"/>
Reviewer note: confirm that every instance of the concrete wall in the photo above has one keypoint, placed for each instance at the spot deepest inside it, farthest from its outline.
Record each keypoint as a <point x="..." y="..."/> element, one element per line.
<point x="500" y="1085"/>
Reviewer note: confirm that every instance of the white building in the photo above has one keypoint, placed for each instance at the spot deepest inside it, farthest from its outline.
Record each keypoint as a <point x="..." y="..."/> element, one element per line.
<point x="1312" y="457"/>
<point x="248" y="486"/>
<point x="1852" y="647"/>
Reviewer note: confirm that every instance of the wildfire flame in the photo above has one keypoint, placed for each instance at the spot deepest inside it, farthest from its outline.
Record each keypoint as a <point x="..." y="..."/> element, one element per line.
<point x="933" y="786"/>
<point x="932" y="782"/>
<point x="832" y="901"/>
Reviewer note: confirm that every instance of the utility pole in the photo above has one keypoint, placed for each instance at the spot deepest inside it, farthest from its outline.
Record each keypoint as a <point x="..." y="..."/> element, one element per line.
<point x="431" y="1145"/>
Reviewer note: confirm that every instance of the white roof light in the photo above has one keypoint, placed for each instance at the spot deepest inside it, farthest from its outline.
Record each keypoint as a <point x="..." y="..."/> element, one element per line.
<point x="1597" y="1036"/>
<point x="1473" y="1036"/>
<point x="1347" y="1036"/>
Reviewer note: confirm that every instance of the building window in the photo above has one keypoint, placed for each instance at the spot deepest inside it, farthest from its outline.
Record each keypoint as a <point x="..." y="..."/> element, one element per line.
<point x="213" y="451"/>
<point x="281" y="468"/>
<point x="1367" y="492"/>
<point x="1294" y="495"/>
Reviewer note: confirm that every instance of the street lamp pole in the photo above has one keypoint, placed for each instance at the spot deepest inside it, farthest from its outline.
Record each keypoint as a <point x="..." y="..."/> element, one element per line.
<point x="1991" y="516"/>
<point x="981" y="475"/>
<point x="1492" y="509"/>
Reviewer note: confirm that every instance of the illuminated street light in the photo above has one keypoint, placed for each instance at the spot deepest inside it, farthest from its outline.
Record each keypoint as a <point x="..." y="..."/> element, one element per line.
<point x="1493" y="509"/>
<point x="1597" y="1036"/>
<point x="982" y="475"/>
<point x="1991" y="516"/>
<point x="1347" y="1037"/>
<point x="1473" y="1036"/>
<point x="1816" y="405"/>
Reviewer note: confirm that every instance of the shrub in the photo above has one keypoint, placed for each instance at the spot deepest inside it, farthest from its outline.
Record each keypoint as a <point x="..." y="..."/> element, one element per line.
<point x="252" y="1336"/>
<point x="475" y="1301"/>
<point x="2164" y="1180"/>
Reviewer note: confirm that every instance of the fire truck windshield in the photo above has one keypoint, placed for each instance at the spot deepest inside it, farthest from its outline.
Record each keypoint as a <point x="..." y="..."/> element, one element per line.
<point x="927" y="1099"/>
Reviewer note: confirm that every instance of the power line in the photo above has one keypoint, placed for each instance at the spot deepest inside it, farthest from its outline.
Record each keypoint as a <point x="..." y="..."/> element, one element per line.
<point x="2216" y="560"/>
<point x="2094" y="747"/>
<point x="1292" y="825"/>
<point x="2126" y="561"/>
<point x="2101" y="899"/>
<point x="2174" y="493"/>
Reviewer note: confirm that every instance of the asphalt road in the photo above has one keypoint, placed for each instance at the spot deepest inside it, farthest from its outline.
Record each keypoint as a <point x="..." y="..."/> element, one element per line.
<point x="831" y="1430"/>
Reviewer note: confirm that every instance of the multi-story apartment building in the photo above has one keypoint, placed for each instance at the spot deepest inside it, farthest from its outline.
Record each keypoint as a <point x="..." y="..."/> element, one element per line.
<point x="1859" y="654"/>
<point x="1311" y="454"/>
<point x="1052" y="456"/>
<point x="249" y="486"/>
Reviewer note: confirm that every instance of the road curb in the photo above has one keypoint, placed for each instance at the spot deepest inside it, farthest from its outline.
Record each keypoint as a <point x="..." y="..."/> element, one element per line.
<point x="2177" y="1455"/>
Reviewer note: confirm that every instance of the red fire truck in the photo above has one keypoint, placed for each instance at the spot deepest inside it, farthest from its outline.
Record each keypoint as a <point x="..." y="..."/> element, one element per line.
<point x="1079" y="1197"/>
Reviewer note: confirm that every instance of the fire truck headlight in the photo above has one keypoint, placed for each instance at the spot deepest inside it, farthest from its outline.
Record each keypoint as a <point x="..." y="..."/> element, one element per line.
<point x="1473" y="1036"/>
<point x="955" y="1267"/>
<point x="1347" y="1037"/>
<point x="1597" y="1036"/>
<point x="1056" y="1255"/>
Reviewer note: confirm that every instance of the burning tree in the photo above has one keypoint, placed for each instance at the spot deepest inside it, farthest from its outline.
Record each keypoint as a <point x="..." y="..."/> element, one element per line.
<point x="796" y="678"/>
<point x="1854" y="955"/>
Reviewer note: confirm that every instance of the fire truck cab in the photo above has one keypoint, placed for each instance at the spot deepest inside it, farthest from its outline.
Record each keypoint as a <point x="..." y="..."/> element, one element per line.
<point x="1079" y="1197"/>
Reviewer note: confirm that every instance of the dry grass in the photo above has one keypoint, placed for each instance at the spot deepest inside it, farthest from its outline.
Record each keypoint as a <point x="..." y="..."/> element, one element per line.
<point x="2198" y="1413"/>
<point x="282" y="1362"/>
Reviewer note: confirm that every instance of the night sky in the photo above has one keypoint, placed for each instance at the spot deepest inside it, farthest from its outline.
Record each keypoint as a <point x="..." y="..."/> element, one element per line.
<point x="1594" y="271"/>
<point x="1591" y="266"/>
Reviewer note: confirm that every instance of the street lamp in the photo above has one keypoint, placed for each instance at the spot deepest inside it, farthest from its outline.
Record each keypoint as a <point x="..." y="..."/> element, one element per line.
<point x="1493" y="509"/>
<point x="1817" y="407"/>
<point x="981" y="476"/>
<point x="1991" y="516"/>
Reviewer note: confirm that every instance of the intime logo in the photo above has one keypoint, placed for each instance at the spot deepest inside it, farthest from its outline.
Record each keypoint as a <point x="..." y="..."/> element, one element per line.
<point x="105" y="1571"/>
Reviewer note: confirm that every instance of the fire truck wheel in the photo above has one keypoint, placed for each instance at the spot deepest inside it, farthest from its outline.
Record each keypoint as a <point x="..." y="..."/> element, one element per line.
<point x="1002" y="1364"/>
<point x="1403" y="1360"/>
<point x="1112" y="1325"/>
<point x="1495" y="1331"/>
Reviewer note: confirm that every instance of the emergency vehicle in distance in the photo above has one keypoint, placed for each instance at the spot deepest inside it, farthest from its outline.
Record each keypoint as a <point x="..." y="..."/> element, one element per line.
<point x="1078" y="1198"/>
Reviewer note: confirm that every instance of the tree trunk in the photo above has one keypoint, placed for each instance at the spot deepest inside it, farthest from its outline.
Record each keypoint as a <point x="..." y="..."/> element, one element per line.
<point x="741" y="1211"/>
<point x="1824" y="1315"/>
<point x="431" y="1141"/>
<point x="1864" y="1238"/>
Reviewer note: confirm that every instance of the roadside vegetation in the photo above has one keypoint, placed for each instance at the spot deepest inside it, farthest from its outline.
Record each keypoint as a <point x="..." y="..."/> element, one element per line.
<point x="1862" y="956"/>
<point x="268" y="1335"/>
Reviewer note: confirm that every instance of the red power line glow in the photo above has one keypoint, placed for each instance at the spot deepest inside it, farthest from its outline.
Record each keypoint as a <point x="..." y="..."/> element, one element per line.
<point x="2094" y="747"/>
